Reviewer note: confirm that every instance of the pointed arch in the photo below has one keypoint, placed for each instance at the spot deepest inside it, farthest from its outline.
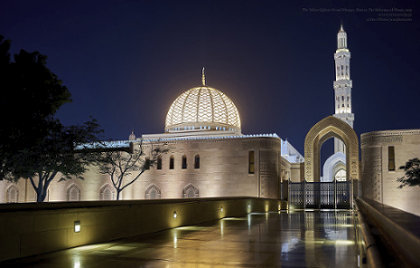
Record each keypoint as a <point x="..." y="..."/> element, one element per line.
<point x="190" y="191"/>
<point x="107" y="192"/>
<point x="171" y="162"/>
<point x="152" y="192"/>
<point x="331" y="166"/>
<point x="184" y="162"/>
<point x="323" y="130"/>
<point x="12" y="194"/>
<point x="197" y="161"/>
<point x="340" y="175"/>
<point x="73" y="193"/>
<point x="159" y="162"/>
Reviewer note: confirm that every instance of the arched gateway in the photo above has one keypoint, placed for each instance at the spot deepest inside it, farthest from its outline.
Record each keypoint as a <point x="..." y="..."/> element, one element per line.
<point x="322" y="194"/>
<point x="323" y="130"/>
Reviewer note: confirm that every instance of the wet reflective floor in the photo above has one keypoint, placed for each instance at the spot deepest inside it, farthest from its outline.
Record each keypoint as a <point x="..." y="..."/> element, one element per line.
<point x="294" y="239"/>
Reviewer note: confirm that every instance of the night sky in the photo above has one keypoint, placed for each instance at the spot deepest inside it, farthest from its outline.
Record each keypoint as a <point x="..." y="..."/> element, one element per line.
<point x="125" y="62"/>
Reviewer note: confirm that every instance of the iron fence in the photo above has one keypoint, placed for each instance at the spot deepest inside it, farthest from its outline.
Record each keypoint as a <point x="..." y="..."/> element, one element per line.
<point x="320" y="194"/>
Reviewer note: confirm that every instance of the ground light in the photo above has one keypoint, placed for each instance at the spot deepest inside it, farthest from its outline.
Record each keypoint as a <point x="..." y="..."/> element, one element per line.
<point x="77" y="226"/>
<point x="76" y="261"/>
<point x="175" y="238"/>
<point x="175" y="215"/>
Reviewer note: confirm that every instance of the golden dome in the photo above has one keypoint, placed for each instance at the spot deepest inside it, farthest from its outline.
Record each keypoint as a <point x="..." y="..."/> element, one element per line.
<point x="202" y="109"/>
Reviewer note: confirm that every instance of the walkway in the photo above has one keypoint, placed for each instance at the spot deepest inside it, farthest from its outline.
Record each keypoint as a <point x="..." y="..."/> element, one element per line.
<point x="297" y="239"/>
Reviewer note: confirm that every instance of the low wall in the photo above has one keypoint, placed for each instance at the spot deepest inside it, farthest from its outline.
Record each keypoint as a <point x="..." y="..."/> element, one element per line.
<point x="30" y="229"/>
<point x="399" y="229"/>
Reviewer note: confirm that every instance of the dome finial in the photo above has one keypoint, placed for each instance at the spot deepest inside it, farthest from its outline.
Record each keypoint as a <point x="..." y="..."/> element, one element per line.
<point x="132" y="136"/>
<point x="203" y="77"/>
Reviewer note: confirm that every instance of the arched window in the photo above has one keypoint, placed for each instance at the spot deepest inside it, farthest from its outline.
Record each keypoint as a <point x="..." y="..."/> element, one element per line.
<point x="107" y="193"/>
<point x="159" y="162"/>
<point x="391" y="158"/>
<point x="184" y="162"/>
<point x="153" y="192"/>
<point x="73" y="193"/>
<point x="251" y="162"/>
<point x="190" y="192"/>
<point x="171" y="162"/>
<point x="197" y="161"/>
<point x="12" y="194"/>
<point x="147" y="163"/>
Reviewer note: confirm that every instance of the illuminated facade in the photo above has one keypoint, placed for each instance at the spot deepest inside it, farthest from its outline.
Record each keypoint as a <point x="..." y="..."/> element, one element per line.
<point x="207" y="156"/>
<point x="383" y="153"/>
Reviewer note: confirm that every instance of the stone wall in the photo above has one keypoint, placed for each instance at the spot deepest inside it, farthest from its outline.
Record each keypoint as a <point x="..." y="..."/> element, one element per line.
<point x="378" y="182"/>
<point x="223" y="172"/>
<point x="30" y="229"/>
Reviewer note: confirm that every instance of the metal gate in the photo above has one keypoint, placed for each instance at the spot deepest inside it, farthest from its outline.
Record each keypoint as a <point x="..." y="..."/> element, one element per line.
<point x="320" y="194"/>
<point x="343" y="194"/>
<point x="296" y="190"/>
<point x="327" y="199"/>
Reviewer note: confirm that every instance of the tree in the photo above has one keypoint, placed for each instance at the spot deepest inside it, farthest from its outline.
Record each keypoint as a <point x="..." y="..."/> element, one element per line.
<point x="56" y="156"/>
<point x="34" y="144"/>
<point x="412" y="173"/>
<point x="31" y="95"/>
<point x="124" y="168"/>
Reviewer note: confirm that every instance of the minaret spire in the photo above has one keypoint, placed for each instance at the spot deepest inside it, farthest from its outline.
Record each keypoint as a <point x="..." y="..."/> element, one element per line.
<point x="342" y="85"/>
<point x="203" y="77"/>
<point x="341" y="37"/>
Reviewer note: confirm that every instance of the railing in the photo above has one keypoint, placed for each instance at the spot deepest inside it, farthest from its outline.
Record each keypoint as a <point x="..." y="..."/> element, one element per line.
<point x="367" y="248"/>
<point x="399" y="229"/>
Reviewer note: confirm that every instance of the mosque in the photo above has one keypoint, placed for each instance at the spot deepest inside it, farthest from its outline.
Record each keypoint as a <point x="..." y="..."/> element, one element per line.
<point x="206" y="155"/>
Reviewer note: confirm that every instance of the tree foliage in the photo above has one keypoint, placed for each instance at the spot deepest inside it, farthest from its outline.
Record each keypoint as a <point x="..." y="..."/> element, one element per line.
<point x="412" y="173"/>
<point x="125" y="168"/>
<point x="31" y="94"/>
<point x="56" y="155"/>
<point x="34" y="144"/>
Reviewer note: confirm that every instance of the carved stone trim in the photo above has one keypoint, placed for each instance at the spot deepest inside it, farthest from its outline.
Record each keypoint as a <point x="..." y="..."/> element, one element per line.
<point x="326" y="128"/>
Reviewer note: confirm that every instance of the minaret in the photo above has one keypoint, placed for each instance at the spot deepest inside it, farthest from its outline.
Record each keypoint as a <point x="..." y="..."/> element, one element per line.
<point x="342" y="85"/>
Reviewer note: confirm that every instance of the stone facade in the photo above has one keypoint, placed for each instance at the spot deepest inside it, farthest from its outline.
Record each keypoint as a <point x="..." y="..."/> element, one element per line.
<point x="223" y="171"/>
<point x="380" y="169"/>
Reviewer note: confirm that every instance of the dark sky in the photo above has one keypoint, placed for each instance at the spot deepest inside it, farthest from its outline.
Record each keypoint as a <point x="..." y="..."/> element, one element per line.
<point x="126" y="61"/>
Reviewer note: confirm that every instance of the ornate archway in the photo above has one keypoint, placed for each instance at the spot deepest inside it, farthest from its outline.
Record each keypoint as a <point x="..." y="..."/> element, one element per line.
<point x="323" y="130"/>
